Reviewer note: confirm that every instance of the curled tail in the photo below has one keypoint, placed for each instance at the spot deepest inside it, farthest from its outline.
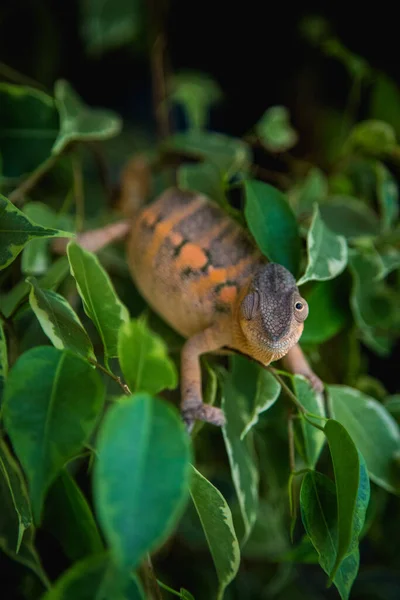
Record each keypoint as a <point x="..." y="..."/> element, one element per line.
<point x="135" y="185"/>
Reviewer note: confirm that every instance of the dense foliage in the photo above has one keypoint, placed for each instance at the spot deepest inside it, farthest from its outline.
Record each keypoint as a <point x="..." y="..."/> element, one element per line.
<point x="97" y="472"/>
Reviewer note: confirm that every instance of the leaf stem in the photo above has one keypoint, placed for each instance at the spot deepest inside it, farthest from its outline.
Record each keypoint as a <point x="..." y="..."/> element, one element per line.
<point x="20" y="191"/>
<point x="17" y="77"/>
<point x="152" y="579"/>
<point x="78" y="191"/>
<point x="117" y="379"/>
<point x="166" y="587"/>
<point x="288" y="391"/>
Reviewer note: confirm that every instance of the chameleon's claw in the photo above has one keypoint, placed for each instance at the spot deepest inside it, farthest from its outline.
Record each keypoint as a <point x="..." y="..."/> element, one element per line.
<point x="203" y="412"/>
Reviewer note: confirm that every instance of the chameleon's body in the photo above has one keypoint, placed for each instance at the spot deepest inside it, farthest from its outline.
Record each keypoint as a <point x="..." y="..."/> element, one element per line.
<point x="200" y="270"/>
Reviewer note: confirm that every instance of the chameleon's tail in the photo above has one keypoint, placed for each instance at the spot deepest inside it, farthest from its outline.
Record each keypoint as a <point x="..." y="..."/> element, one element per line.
<point x="135" y="185"/>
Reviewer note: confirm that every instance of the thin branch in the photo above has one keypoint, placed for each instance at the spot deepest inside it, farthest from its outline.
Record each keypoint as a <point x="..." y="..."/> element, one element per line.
<point x="17" y="77"/>
<point x="117" y="379"/>
<point x="292" y="460"/>
<point x="78" y="191"/>
<point x="102" y="167"/>
<point x="287" y="390"/>
<point x="158" y="68"/>
<point x="17" y="195"/>
<point x="154" y="586"/>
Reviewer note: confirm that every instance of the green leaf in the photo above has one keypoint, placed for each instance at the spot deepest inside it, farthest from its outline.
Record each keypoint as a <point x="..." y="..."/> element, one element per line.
<point x="79" y="122"/>
<point x="16" y="230"/>
<point x="268" y="390"/>
<point x="328" y="311"/>
<point x="390" y="262"/>
<point x="385" y="101"/>
<point x="144" y="359"/>
<point x="26" y="555"/>
<point x="374" y="431"/>
<point x="28" y="127"/>
<point x="327" y="252"/>
<point x="318" y="504"/>
<point x="350" y="217"/>
<point x="95" y="577"/>
<point x="51" y="404"/>
<point x="3" y="359"/>
<point x="100" y="300"/>
<point x="275" y="131"/>
<point x="196" y="93"/>
<point x="313" y="189"/>
<point x="35" y="258"/>
<point x="352" y="488"/>
<point x="107" y="26"/>
<point x="205" y="178"/>
<point x="314" y="439"/>
<point x="68" y="517"/>
<point x="388" y="196"/>
<point x="240" y="452"/>
<point x="185" y="595"/>
<point x="372" y="138"/>
<point x="16" y="514"/>
<point x="131" y="478"/>
<point x="59" y="321"/>
<point x="216" y="520"/>
<point x="273" y="224"/>
<point x="231" y="155"/>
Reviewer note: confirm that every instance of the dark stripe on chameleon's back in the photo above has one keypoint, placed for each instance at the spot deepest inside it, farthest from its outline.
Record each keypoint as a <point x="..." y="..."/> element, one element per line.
<point x="200" y="222"/>
<point x="226" y="252"/>
<point x="172" y="201"/>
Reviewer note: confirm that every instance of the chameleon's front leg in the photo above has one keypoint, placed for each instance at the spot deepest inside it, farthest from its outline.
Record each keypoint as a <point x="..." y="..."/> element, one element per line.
<point x="192" y="405"/>
<point x="296" y="363"/>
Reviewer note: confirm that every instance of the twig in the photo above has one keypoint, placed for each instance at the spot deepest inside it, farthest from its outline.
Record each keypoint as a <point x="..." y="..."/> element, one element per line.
<point x="292" y="460"/>
<point x="17" y="77"/>
<point x="102" y="167"/>
<point x="157" y="57"/>
<point x="152" y="579"/>
<point x="78" y="191"/>
<point x="117" y="379"/>
<point x="288" y="391"/>
<point x="32" y="180"/>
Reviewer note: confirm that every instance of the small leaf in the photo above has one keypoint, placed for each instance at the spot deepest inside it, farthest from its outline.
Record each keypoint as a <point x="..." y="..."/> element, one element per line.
<point x="196" y="92"/>
<point x="328" y="311"/>
<point x="374" y="431"/>
<point x="51" y="404"/>
<point x="35" y="258"/>
<point x="275" y="131"/>
<point x="268" y="390"/>
<point x="95" y="577"/>
<point x="319" y="515"/>
<point x="240" y="452"/>
<point x="68" y="517"/>
<point x="388" y="196"/>
<point x="327" y="252"/>
<point x="144" y="359"/>
<point x="131" y="478"/>
<point x="350" y="217"/>
<point x="3" y="359"/>
<point x="372" y="138"/>
<point x="216" y="520"/>
<point x="100" y="300"/>
<point x="17" y="230"/>
<point x="185" y="595"/>
<point x="79" y="122"/>
<point x="314" y="439"/>
<point x="16" y="514"/>
<point x="205" y="178"/>
<point x="59" y="321"/>
<point x="231" y="155"/>
<point x="352" y="488"/>
<point x="107" y="26"/>
<point x="28" y="128"/>
<point x="273" y="224"/>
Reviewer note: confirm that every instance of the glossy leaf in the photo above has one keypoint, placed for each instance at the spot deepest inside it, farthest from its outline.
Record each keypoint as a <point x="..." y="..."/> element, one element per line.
<point x="372" y="137"/>
<point x="196" y="93"/>
<point x="268" y="390"/>
<point x="240" y="453"/>
<point x="59" y="321"/>
<point x="328" y="311"/>
<point x="144" y="359"/>
<point x="52" y="402"/>
<point x="131" y="478"/>
<point x="100" y="301"/>
<point x="350" y="217"/>
<point x="16" y="230"/>
<point x="352" y="489"/>
<point x="373" y="430"/>
<point x="216" y="520"/>
<point x="28" y="127"/>
<point x="69" y="518"/>
<point x="107" y="26"/>
<point x="275" y="131"/>
<point x="16" y="514"/>
<point x="318" y="504"/>
<point x="231" y="155"/>
<point x="205" y="178"/>
<point x="388" y="196"/>
<point x="79" y="122"/>
<point x="35" y="258"/>
<point x="95" y="577"/>
<point x="273" y="224"/>
<point x="327" y="252"/>
<point x="313" y="438"/>
<point x="3" y="358"/>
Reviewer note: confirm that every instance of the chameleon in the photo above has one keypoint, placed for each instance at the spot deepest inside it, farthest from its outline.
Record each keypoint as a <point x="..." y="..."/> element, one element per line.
<point x="201" y="271"/>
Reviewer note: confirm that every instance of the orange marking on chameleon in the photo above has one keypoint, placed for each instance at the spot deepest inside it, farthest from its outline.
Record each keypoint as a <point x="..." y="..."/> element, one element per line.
<point x="191" y="256"/>
<point x="228" y="294"/>
<point x="175" y="238"/>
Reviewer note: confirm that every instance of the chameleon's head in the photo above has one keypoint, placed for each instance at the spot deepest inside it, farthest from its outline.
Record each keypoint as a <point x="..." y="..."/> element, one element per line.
<point x="272" y="312"/>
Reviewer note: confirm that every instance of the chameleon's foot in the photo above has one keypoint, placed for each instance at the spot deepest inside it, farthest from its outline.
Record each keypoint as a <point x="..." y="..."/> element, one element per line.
<point x="203" y="412"/>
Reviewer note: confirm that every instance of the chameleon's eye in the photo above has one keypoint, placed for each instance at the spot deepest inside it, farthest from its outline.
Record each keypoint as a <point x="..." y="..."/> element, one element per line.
<point x="299" y="306"/>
